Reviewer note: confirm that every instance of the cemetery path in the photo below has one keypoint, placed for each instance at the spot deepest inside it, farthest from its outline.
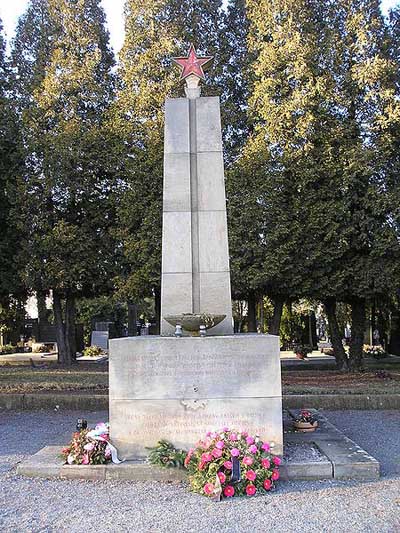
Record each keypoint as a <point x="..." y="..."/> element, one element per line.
<point x="60" y="505"/>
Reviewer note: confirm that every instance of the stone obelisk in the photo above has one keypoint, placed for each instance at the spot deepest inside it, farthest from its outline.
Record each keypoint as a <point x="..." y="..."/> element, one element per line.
<point x="195" y="258"/>
<point x="177" y="388"/>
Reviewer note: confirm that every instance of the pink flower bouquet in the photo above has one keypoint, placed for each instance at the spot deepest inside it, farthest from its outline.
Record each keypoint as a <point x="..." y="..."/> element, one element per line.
<point x="88" y="447"/>
<point x="213" y="461"/>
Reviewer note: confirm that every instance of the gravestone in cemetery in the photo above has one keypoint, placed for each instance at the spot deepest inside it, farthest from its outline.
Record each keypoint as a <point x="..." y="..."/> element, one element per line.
<point x="177" y="388"/>
<point x="100" y="339"/>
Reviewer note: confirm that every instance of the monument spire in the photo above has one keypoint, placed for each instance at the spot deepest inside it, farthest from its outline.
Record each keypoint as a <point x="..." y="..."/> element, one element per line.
<point x="192" y="71"/>
<point x="173" y="388"/>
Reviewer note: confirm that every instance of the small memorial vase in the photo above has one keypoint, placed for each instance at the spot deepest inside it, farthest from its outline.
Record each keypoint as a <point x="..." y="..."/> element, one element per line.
<point x="305" y="427"/>
<point x="178" y="331"/>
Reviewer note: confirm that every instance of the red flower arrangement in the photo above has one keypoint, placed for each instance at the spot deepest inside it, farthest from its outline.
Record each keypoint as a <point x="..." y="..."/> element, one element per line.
<point x="231" y="463"/>
<point x="305" y="416"/>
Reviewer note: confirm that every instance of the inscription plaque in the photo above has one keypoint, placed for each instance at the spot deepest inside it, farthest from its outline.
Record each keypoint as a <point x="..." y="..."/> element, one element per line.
<point x="190" y="390"/>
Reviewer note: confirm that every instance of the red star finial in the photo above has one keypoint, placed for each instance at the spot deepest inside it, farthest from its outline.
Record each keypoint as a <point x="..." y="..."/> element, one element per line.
<point x="192" y="64"/>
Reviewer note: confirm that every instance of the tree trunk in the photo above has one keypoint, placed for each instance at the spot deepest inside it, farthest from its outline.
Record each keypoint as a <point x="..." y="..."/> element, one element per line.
<point x="42" y="313"/>
<point x="335" y="335"/>
<point x="70" y="328"/>
<point x="357" y="334"/>
<point x="251" y="313"/>
<point x="262" y="315"/>
<point x="373" y="320"/>
<point x="60" y="329"/>
<point x="157" y="302"/>
<point x="41" y="306"/>
<point x="275" y="322"/>
<point x="132" y="319"/>
<point x="20" y="319"/>
<point x="65" y="328"/>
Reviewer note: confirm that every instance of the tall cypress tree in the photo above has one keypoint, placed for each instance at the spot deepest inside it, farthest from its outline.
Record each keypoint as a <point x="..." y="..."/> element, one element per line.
<point x="236" y="76"/>
<point x="368" y="94"/>
<point x="31" y="51"/>
<point x="323" y="89"/>
<point x="11" y="288"/>
<point x="287" y="103"/>
<point x="242" y="189"/>
<point x="67" y="205"/>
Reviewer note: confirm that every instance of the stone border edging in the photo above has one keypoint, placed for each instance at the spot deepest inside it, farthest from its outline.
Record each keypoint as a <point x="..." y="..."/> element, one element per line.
<point x="342" y="459"/>
<point x="342" y="402"/>
<point x="99" y="402"/>
<point x="47" y="463"/>
<point x="73" y="401"/>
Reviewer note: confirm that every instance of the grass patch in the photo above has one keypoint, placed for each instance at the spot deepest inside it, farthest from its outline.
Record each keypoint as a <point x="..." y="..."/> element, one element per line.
<point x="333" y="382"/>
<point x="22" y="379"/>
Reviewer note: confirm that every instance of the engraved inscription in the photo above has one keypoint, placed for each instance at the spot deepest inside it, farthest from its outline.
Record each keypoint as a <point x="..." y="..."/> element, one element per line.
<point x="136" y="425"/>
<point x="180" y="423"/>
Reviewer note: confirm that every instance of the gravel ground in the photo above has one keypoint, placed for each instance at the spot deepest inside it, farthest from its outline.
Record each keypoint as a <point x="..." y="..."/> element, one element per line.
<point x="298" y="453"/>
<point x="55" y="506"/>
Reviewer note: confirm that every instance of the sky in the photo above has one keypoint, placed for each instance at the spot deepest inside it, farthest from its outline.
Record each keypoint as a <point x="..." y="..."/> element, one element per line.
<point x="10" y="10"/>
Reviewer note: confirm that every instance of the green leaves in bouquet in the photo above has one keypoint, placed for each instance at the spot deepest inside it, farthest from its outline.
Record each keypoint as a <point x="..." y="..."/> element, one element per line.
<point x="166" y="455"/>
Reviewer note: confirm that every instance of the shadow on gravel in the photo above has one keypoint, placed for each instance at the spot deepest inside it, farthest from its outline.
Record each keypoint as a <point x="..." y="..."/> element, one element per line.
<point x="27" y="432"/>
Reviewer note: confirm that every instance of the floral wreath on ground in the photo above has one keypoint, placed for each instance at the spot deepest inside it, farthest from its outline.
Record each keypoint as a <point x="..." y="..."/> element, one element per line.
<point x="231" y="463"/>
<point x="90" y="447"/>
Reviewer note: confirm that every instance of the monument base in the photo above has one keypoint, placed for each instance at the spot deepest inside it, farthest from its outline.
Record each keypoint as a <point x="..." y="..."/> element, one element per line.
<point x="179" y="388"/>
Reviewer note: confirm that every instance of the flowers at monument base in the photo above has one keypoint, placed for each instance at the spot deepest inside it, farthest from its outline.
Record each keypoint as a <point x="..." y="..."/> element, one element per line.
<point x="90" y="447"/>
<point x="229" y="491"/>
<point x="166" y="455"/>
<point x="242" y="466"/>
<point x="377" y="351"/>
<point x="305" y="416"/>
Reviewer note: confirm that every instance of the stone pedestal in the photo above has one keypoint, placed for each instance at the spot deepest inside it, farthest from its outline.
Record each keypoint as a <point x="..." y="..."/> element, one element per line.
<point x="178" y="389"/>
<point x="195" y="259"/>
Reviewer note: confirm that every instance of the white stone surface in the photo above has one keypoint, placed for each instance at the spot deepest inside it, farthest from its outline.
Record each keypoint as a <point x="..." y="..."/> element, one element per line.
<point x="177" y="290"/>
<point x="208" y="118"/>
<point x="216" y="295"/>
<point x="213" y="242"/>
<point x="202" y="363"/>
<point x="176" y="135"/>
<point x="195" y="236"/>
<point x="177" y="389"/>
<point x="177" y="256"/>
<point x="137" y="425"/>
<point x="176" y="193"/>
<point x="211" y="183"/>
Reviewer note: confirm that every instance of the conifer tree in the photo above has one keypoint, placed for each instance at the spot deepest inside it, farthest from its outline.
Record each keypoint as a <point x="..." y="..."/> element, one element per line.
<point x="31" y="51"/>
<point x="286" y="104"/>
<point x="244" y="217"/>
<point x="369" y="135"/>
<point x="322" y="94"/>
<point x="66" y="88"/>
<point x="235" y="63"/>
<point x="11" y="288"/>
